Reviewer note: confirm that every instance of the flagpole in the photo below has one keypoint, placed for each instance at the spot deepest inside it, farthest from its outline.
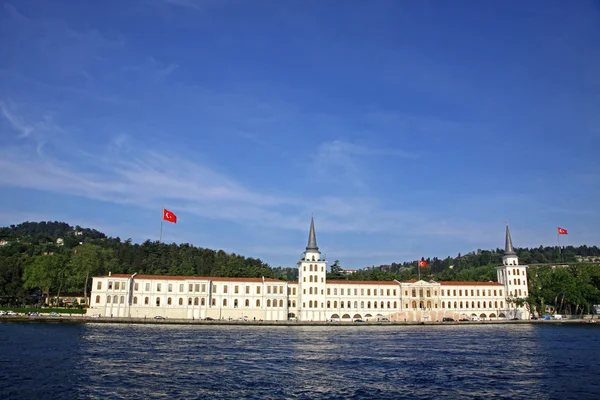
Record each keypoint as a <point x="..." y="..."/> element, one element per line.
<point x="161" y="221"/>
<point x="558" y="241"/>
<point x="419" y="269"/>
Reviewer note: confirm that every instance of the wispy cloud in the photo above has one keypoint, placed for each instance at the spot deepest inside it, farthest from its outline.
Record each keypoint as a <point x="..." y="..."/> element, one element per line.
<point x="15" y="121"/>
<point x="342" y="162"/>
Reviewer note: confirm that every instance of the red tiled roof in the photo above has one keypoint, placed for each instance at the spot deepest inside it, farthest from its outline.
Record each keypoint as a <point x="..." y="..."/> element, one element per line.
<point x="196" y="278"/>
<point x="450" y="283"/>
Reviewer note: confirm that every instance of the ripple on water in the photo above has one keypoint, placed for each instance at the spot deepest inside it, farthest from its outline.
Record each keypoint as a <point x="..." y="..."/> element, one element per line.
<point x="182" y="362"/>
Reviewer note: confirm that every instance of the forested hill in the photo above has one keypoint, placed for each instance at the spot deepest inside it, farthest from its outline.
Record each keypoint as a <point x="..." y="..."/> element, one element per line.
<point x="56" y="257"/>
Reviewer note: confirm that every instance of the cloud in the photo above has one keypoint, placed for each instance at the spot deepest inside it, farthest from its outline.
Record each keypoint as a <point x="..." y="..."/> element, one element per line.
<point x="342" y="162"/>
<point x="15" y="121"/>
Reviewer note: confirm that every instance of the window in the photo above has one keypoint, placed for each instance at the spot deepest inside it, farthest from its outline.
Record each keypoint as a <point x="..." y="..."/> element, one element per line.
<point x="374" y="292"/>
<point x="335" y="291"/>
<point x="99" y="287"/>
<point x="214" y="288"/>
<point x="169" y="301"/>
<point x="190" y="288"/>
<point x="247" y="289"/>
<point x="189" y="301"/>
<point x="146" y="300"/>
<point x="258" y="290"/>
<point x="414" y="293"/>
<point x="395" y="304"/>
<point x="460" y="292"/>
<point x="224" y="302"/>
<point x="158" y="287"/>
<point x="97" y="299"/>
<point x="368" y="292"/>
<point x="203" y="301"/>
<point x="108" y="299"/>
<point x="428" y="293"/>
<point x="236" y="289"/>
<point x="195" y="301"/>
<point x="257" y="303"/>
<point x="135" y="300"/>
<point x="235" y="303"/>
<point x="170" y="287"/>
<point x="115" y="299"/>
<point x="394" y="292"/>
<point x="356" y="292"/>
<point x="204" y="288"/>
<point x="304" y="268"/>
<point x="342" y="291"/>
<point x="247" y="304"/>
<point x="328" y="293"/>
<point x="147" y="286"/>
<point x="362" y="292"/>
<point x="181" y="301"/>
<point x="136" y="286"/>
<point x="158" y="302"/>
<point x="388" y="292"/>
<point x="328" y="304"/>
<point x="181" y="288"/>
<point x="214" y="302"/>
<point x="110" y="285"/>
<point x="225" y="288"/>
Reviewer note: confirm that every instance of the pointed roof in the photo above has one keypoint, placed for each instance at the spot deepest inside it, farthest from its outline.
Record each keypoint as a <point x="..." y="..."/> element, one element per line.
<point x="508" y="246"/>
<point x="312" y="237"/>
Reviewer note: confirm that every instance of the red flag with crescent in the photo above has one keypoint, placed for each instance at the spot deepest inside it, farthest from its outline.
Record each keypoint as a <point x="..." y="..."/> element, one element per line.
<point x="422" y="263"/>
<point x="169" y="216"/>
<point x="562" y="231"/>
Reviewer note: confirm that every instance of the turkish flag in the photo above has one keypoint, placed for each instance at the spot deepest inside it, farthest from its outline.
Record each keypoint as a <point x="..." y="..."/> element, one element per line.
<point x="169" y="216"/>
<point x="422" y="263"/>
<point x="562" y="231"/>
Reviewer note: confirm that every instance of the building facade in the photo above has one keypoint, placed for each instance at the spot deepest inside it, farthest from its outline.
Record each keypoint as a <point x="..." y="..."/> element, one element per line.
<point x="313" y="297"/>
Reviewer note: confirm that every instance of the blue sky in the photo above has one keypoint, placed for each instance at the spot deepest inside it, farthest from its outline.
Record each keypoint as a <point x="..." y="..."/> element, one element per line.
<point x="409" y="129"/>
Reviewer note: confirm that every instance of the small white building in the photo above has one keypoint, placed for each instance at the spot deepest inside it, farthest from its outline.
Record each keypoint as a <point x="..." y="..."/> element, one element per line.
<point x="312" y="298"/>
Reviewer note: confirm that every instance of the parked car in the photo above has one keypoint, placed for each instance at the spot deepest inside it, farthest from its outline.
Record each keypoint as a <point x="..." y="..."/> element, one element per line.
<point x="448" y="319"/>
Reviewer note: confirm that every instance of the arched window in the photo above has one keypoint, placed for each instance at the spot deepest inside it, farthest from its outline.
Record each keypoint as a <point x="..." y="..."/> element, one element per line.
<point x="115" y="299"/>
<point x="98" y="299"/>
<point x="414" y="304"/>
<point x="269" y="303"/>
<point x="495" y="304"/>
<point x="349" y="305"/>
<point x="310" y="279"/>
<point x="429" y="304"/>
<point x="189" y="301"/>
<point x="356" y="304"/>
<point x="310" y="267"/>
<point x="420" y="292"/>
<point x="224" y="302"/>
<point x="235" y="303"/>
<point x="169" y="301"/>
<point x="280" y="303"/>
<point x="257" y="303"/>
<point x="368" y="304"/>
<point x="146" y="301"/>
<point x="247" y="303"/>
<point x="274" y="303"/>
<point x="374" y="304"/>
<point x="388" y="305"/>
<point x="158" y="302"/>
<point x="304" y="269"/>
<point x="122" y="300"/>
<point x="310" y="304"/>
<point x="478" y="304"/>
<point x="490" y="304"/>
<point x="328" y="304"/>
<point x="335" y="304"/>
<point x="196" y="301"/>
<point x="461" y="304"/>
<point x="454" y="304"/>
<point x="395" y="304"/>
<point x="472" y="304"/>
<point x="294" y="303"/>
<point x="414" y="293"/>
<point x="362" y="304"/>
<point x="501" y="304"/>
<point x="108" y="299"/>
<point x="181" y="301"/>
<point x="310" y="289"/>
<point x="382" y="305"/>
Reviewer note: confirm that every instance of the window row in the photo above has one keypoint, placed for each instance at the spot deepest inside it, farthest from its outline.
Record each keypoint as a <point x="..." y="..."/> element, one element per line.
<point x="195" y="301"/>
<point x="479" y="304"/>
<point x="474" y="292"/>
<point x="314" y="267"/>
<point x="193" y="287"/>
<point x="516" y="282"/>
<point x="348" y="292"/>
<point x="348" y="304"/>
<point x="313" y="278"/>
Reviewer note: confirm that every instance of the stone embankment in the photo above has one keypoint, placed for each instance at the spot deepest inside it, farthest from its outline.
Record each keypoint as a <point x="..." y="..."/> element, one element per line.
<point x="113" y="320"/>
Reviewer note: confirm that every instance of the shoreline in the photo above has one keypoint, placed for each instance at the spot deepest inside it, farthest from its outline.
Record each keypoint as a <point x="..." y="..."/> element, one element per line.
<point x="152" y="321"/>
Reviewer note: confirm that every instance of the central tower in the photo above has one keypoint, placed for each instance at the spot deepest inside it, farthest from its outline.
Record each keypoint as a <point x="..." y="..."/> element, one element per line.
<point x="514" y="278"/>
<point x="312" y="270"/>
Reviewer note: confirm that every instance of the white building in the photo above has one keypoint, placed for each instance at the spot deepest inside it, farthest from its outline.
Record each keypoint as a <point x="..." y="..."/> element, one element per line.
<point x="313" y="297"/>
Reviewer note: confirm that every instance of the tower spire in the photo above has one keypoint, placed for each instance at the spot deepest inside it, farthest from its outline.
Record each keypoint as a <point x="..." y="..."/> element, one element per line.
<point x="312" y="237"/>
<point x="508" y="246"/>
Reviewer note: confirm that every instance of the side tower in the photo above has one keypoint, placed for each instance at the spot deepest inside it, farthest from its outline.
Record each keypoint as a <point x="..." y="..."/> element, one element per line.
<point x="312" y="270"/>
<point x="514" y="278"/>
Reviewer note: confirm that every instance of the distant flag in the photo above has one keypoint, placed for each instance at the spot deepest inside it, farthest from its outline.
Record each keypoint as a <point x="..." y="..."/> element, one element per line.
<point x="562" y="231"/>
<point x="169" y="216"/>
<point x="422" y="263"/>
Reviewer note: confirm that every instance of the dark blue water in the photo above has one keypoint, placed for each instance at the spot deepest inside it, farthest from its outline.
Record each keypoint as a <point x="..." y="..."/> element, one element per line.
<point x="60" y="361"/>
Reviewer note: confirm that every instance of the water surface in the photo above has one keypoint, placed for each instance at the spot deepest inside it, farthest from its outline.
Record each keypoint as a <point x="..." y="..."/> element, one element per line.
<point x="64" y="361"/>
